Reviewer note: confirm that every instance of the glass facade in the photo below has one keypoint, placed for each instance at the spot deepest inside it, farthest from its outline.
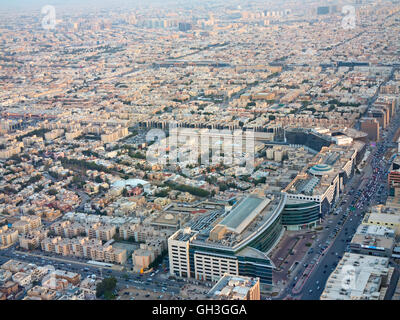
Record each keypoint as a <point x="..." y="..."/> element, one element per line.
<point x="307" y="138"/>
<point x="248" y="266"/>
<point x="265" y="240"/>
<point x="255" y="267"/>
<point x="300" y="213"/>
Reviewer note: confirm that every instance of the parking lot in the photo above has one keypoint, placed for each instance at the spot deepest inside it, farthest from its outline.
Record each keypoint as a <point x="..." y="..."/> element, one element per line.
<point x="292" y="247"/>
<point x="132" y="293"/>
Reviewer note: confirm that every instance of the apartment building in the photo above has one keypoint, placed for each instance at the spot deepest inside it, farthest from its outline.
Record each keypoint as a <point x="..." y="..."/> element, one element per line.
<point x="141" y="233"/>
<point x="22" y="278"/>
<point x="359" y="277"/>
<point x="27" y="223"/>
<point x="31" y="240"/>
<point x="236" y="288"/>
<point x="70" y="229"/>
<point x="7" y="236"/>
<point x="41" y="293"/>
<point x="84" y="247"/>
<point x="9" y="151"/>
<point x="71" y="277"/>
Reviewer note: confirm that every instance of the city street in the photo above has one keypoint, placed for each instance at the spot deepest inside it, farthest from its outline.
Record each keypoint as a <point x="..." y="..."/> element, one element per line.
<point x="360" y="193"/>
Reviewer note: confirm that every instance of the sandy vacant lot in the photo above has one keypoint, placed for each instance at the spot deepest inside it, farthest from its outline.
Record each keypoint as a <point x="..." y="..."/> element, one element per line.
<point x="136" y="294"/>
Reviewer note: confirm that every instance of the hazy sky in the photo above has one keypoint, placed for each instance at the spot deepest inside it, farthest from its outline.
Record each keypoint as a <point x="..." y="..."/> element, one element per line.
<point x="95" y="3"/>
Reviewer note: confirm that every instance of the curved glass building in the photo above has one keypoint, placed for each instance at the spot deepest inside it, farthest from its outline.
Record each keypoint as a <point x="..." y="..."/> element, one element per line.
<point x="238" y="244"/>
<point x="300" y="214"/>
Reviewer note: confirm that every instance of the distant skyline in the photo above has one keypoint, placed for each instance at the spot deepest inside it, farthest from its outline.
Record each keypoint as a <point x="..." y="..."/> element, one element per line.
<point x="128" y="3"/>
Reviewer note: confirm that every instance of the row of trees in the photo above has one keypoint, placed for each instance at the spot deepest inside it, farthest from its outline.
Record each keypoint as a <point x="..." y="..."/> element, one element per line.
<point x="184" y="188"/>
<point x="88" y="165"/>
<point x="37" y="132"/>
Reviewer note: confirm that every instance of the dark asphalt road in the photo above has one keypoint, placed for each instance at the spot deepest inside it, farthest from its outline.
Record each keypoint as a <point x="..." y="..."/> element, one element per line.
<point x="315" y="283"/>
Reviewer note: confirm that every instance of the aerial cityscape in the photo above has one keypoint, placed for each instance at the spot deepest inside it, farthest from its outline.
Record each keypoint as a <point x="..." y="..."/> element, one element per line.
<point x="200" y="150"/>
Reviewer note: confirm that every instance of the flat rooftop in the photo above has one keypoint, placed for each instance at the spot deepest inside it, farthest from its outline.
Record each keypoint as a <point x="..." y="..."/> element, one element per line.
<point x="184" y="235"/>
<point x="248" y="223"/>
<point x="385" y="218"/>
<point x="234" y="287"/>
<point x="366" y="275"/>
<point x="320" y="172"/>
<point x="243" y="213"/>
<point x="373" y="242"/>
<point x="374" y="230"/>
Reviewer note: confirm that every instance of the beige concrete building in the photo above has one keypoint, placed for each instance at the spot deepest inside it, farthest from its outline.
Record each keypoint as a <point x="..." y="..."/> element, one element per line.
<point x="42" y="293"/>
<point x="32" y="239"/>
<point x="236" y="288"/>
<point x="27" y="223"/>
<point x="7" y="236"/>
<point x="84" y="247"/>
<point x="359" y="277"/>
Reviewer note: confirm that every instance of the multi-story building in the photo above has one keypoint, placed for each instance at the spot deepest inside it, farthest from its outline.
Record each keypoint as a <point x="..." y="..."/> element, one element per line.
<point x="41" y="293"/>
<point x="321" y="181"/>
<point x="22" y="278"/>
<point x="84" y="247"/>
<point x="300" y="214"/>
<point x="7" y="236"/>
<point x="71" y="277"/>
<point x="394" y="176"/>
<point x="9" y="287"/>
<point x="359" y="277"/>
<point x="371" y="127"/>
<point x="236" y="288"/>
<point x="384" y="216"/>
<point x="238" y="244"/>
<point x="32" y="239"/>
<point x="373" y="240"/>
<point x="27" y="223"/>
<point x="96" y="230"/>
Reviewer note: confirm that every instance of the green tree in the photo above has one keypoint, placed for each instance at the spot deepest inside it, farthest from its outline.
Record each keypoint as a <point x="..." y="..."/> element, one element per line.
<point x="106" y="288"/>
<point x="52" y="192"/>
<point x="98" y="179"/>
